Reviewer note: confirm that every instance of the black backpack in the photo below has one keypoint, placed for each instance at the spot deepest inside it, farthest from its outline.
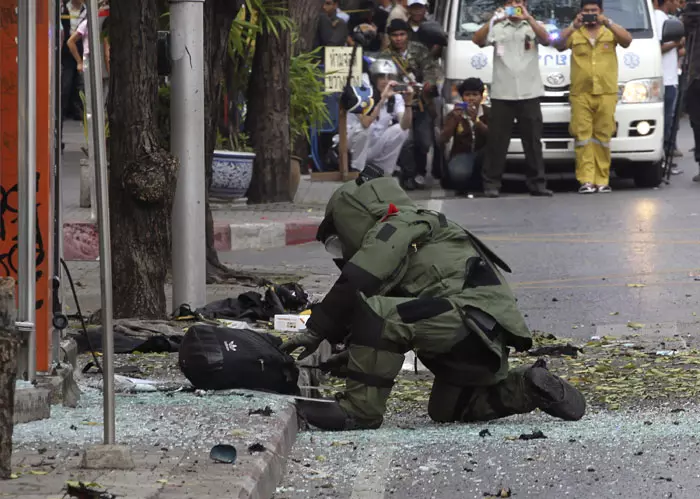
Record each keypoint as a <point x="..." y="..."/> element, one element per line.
<point x="220" y="358"/>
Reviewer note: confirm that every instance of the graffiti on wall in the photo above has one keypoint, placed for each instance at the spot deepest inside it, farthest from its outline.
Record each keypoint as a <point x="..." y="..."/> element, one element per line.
<point x="9" y="249"/>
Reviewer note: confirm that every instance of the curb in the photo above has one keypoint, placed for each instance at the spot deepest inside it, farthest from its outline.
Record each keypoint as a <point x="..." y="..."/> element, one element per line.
<point x="34" y="403"/>
<point x="266" y="473"/>
<point x="80" y="239"/>
<point x="31" y="404"/>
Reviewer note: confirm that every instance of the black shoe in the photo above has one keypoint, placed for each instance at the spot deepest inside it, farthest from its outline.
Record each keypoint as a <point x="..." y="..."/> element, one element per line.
<point x="554" y="395"/>
<point x="541" y="192"/>
<point x="328" y="416"/>
<point x="409" y="184"/>
<point x="491" y="193"/>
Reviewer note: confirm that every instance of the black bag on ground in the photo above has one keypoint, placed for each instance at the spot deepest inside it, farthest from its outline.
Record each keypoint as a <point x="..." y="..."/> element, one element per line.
<point x="220" y="358"/>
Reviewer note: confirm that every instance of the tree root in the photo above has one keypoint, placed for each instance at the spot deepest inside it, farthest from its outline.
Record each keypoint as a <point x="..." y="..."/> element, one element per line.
<point x="218" y="273"/>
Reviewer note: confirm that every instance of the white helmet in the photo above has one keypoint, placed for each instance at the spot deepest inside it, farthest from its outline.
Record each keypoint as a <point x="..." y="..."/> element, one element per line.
<point x="383" y="67"/>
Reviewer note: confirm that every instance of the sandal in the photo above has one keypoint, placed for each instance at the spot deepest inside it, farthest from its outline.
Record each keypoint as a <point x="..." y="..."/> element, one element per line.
<point x="604" y="188"/>
<point x="587" y="188"/>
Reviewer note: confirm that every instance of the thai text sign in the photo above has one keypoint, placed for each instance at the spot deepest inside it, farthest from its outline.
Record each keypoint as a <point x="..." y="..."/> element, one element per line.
<point x="337" y="67"/>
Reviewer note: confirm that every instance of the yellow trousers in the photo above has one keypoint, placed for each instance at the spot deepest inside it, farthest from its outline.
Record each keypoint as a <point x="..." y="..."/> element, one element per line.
<point x="592" y="126"/>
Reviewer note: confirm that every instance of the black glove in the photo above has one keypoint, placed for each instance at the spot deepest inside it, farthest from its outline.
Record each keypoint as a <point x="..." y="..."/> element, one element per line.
<point x="309" y="340"/>
<point x="336" y="365"/>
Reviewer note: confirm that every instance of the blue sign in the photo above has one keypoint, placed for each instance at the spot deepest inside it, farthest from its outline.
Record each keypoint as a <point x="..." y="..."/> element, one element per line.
<point x="479" y="61"/>
<point x="631" y="60"/>
<point x="554" y="60"/>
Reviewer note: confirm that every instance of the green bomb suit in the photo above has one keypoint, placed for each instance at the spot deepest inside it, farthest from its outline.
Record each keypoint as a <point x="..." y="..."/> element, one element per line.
<point x="412" y="279"/>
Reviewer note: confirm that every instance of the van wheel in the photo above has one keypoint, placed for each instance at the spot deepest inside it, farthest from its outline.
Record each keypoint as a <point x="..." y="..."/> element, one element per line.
<point x="648" y="174"/>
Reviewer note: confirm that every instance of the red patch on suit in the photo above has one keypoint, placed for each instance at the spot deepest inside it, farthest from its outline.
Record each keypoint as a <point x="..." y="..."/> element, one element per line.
<point x="393" y="210"/>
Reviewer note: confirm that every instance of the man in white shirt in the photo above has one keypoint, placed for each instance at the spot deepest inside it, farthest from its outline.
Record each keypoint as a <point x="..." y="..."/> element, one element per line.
<point x="515" y="94"/>
<point x="669" y="63"/>
<point x="379" y="136"/>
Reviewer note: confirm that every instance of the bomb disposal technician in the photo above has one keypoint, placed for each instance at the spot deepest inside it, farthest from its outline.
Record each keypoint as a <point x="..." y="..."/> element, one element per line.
<point x="411" y="279"/>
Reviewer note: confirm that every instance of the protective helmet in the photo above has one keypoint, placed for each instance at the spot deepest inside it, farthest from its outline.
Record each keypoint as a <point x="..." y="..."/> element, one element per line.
<point x="354" y="209"/>
<point x="383" y="67"/>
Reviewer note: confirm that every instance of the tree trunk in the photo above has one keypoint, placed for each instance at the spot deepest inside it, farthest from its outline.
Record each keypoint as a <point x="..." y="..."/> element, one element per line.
<point x="218" y="17"/>
<point x="142" y="175"/>
<point x="268" y="115"/>
<point x="305" y="14"/>
<point x="9" y="350"/>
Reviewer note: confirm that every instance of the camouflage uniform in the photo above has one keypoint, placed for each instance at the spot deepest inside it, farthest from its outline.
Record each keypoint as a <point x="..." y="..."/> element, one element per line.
<point x="415" y="280"/>
<point x="417" y="64"/>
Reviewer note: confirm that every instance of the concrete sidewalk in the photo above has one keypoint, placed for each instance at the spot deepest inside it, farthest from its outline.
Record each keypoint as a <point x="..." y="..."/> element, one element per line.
<point x="170" y="436"/>
<point x="236" y="225"/>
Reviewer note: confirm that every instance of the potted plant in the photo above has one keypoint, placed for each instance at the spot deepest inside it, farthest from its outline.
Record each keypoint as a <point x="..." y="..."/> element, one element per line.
<point x="308" y="107"/>
<point x="232" y="167"/>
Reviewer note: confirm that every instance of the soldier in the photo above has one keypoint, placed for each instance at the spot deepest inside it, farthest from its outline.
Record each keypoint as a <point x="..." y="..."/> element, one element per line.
<point x="411" y="279"/>
<point x="416" y="66"/>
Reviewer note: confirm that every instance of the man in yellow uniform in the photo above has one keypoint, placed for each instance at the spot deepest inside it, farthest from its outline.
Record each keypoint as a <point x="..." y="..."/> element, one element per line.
<point x="593" y="38"/>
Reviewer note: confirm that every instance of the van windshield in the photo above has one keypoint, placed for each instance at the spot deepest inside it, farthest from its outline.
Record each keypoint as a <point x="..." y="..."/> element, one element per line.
<point x="556" y="15"/>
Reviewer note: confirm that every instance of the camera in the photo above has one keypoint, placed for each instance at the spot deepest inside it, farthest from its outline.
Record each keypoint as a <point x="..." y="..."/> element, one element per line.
<point x="462" y="106"/>
<point x="400" y="88"/>
<point x="514" y="11"/>
<point x="589" y="18"/>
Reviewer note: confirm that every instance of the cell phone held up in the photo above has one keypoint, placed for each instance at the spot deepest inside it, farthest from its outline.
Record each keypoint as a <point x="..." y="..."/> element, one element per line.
<point x="589" y="18"/>
<point x="514" y="11"/>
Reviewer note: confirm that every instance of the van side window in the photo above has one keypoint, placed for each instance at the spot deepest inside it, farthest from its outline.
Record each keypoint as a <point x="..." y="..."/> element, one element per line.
<point x="440" y="10"/>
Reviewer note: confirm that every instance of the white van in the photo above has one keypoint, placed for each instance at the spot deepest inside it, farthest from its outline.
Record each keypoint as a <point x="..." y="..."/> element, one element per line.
<point x="637" y="147"/>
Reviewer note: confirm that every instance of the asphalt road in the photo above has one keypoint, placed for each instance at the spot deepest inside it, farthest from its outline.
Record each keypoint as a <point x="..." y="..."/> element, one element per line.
<point x="582" y="265"/>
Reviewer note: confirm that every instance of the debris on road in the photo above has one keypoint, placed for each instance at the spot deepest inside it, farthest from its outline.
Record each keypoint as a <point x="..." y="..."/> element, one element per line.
<point x="567" y="349"/>
<point x="536" y="434"/>
<point x="256" y="447"/>
<point x="223" y="453"/>
<point x="262" y="412"/>
<point x="503" y="492"/>
<point x="81" y="490"/>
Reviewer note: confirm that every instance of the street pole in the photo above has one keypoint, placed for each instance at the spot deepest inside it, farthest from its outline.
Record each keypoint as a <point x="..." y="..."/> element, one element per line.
<point x="187" y="139"/>
<point x="59" y="321"/>
<point x="26" y="183"/>
<point x="100" y="154"/>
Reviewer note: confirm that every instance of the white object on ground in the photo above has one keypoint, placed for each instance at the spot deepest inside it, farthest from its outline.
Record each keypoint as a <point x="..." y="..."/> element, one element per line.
<point x="124" y="384"/>
<point x="290" y="322"/>
<point x="409" y="363"/>
<point x="234" y="324"/>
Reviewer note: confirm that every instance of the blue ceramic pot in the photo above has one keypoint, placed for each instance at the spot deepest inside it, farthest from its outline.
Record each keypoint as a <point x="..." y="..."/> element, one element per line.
<point x="232" y="172"/>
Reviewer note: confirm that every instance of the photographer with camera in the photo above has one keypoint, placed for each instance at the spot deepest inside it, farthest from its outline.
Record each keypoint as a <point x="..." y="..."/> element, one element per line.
<point x="467" y="126"/>
<point x="593" y="39"/>
<point x="379" y="136"/>
<point x="515" y="93"/>
<point x="419" y="69"/>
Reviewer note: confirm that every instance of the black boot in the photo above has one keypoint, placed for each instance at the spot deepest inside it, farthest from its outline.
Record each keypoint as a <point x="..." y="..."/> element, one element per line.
<point x="554" y="395"/>
<point x="328" y="416"/>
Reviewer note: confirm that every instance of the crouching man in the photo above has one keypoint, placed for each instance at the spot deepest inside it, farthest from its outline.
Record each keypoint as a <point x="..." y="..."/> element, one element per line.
<point x="379" y="136"/>
<point x="412" y="279"/>
<point x="467" y="126"/>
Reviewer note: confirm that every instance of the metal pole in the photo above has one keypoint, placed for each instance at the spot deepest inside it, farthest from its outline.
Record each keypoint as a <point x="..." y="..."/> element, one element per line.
<point x="100" y="155"/>
<point x="58" y="311"/>
<point x="187" y="125"/>
<point x="26" y="188"/>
